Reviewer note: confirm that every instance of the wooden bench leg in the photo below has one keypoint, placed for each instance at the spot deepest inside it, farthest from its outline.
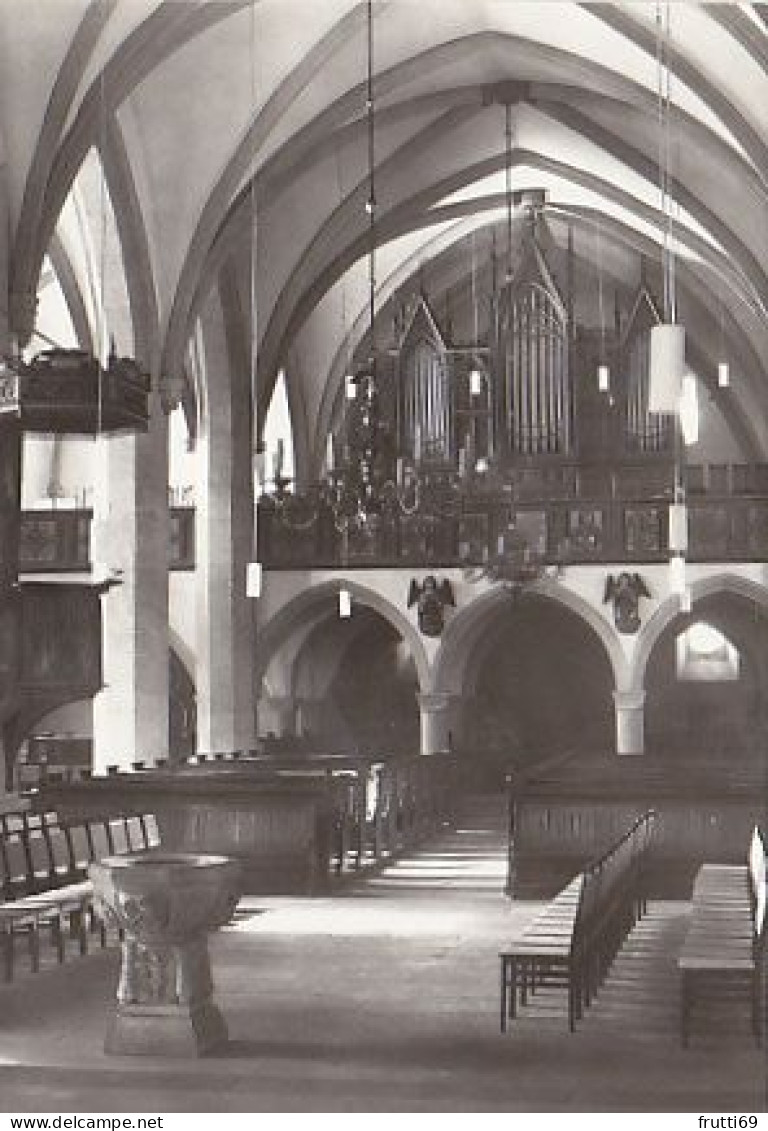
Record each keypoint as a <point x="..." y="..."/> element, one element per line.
<point x="78" y="924"/>
<point x="579" y="980"/>
<point x="58" y="938"/>
<point x="509" y="984"/>
<point x="524" y="976"/>
<point x="34" y="946"/>
<point x="684" y="1009"/>
<point x="757" y="1013"/>
<point x="8" y="953"/>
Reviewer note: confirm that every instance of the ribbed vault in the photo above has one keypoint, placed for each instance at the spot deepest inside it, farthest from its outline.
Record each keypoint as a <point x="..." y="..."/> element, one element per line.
<point x="233" y="136"/>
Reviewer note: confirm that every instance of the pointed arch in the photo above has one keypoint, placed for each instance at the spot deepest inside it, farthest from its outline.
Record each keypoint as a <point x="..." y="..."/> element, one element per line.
<point x="283" y="623"/>
<point x="669" y="609"/>
<point x="466" y="628"/>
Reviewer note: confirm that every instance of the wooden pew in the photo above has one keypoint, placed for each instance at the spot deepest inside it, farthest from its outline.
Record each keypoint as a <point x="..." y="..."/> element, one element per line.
<point x="722" y="955"/>
<point x="549" y="948"/>
<point x="573" y="941"/>
<point x="43" y="880"/>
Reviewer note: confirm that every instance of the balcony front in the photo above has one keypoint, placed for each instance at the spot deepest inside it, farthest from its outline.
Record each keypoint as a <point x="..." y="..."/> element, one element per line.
<point x="562" y="514"/>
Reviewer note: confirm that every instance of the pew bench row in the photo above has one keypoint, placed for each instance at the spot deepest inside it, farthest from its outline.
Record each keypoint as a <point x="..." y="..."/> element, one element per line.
<point x="574" y="939"/>
<point x="44" y="884"/>
<point x="722" y="959"/>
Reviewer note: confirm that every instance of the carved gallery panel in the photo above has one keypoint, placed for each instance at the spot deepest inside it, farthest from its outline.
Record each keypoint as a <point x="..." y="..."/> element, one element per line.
<point x="642" y="530"/>
<point x="709" y="531"/>
<point x="473" y="534"/>
<point x="757" y="530"/>
<point x="586" y="531"/>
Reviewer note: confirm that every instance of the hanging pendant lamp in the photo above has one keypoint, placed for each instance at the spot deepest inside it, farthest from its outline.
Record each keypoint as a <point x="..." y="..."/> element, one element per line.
<point x="666" y="367"/>
<point x="345" y="604"/>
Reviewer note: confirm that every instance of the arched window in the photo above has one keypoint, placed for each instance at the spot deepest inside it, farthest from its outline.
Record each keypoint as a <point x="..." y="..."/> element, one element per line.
<point x="704" y="654"/>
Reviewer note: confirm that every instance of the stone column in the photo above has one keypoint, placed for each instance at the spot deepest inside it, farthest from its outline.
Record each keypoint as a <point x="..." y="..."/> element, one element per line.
<point x="436" y="715"/>
<point x="224" y="540"/>
<point x="130" y="541"/>
<point x="630" y="721"/>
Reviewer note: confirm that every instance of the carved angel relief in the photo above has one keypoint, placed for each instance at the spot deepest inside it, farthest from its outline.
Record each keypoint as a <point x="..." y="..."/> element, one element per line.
<point x="625" y="591"/>
<point x="431" y="597"/>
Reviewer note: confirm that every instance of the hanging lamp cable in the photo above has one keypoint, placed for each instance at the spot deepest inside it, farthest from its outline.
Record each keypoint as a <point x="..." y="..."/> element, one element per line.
<point x="473" y="283"/>
<point x="371" y="203"/>
<point x="664" y="100"/>
<point x="253" y="354"/>
<point x="253" y="582"/>
<point x="102" y="334"/>
<point x="600" y="288"/>
<point x="508" y="182"/>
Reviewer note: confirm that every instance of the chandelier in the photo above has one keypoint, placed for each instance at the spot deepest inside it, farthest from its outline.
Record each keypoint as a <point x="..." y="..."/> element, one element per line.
<point x="516" y="563"/>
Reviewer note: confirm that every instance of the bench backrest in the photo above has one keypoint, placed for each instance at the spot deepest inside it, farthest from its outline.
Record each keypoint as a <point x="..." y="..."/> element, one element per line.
<point x="16" y="865"/>
<point x="100" y="842"/>
<point x="757" y="876"/>
<point x="80" y="846"/>
<point x="151" y="830"/>
<point x="61" y="857"/>
<point x="119" y="836"/>
<point x="609" y="879"/>
<point x="39" y="857"/>
<point x="135" y="831"/>
<point x="37" y="852"/>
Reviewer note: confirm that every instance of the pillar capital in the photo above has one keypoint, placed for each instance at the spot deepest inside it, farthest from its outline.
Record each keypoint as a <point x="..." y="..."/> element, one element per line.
<point x="434" y="700"/>
<point x="633" y="700"/>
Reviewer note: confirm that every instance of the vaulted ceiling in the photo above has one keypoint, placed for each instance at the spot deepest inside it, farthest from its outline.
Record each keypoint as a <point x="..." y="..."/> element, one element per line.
<point x="218" y="118"/>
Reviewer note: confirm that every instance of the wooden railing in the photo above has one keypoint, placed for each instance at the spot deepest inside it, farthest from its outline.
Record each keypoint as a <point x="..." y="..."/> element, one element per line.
<point x="567" y="514"/>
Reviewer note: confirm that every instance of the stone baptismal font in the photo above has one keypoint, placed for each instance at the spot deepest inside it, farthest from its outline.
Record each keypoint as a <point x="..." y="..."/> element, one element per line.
<point x="165" y="903"/>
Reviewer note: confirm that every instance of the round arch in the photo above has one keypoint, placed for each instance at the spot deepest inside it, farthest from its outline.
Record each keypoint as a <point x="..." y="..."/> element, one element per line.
<point x="465" y="629"/>
<point x="282" y="624"/>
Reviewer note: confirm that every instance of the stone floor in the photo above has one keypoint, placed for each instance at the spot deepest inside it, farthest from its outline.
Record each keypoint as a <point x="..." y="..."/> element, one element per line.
<point x="384" y="997"/>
